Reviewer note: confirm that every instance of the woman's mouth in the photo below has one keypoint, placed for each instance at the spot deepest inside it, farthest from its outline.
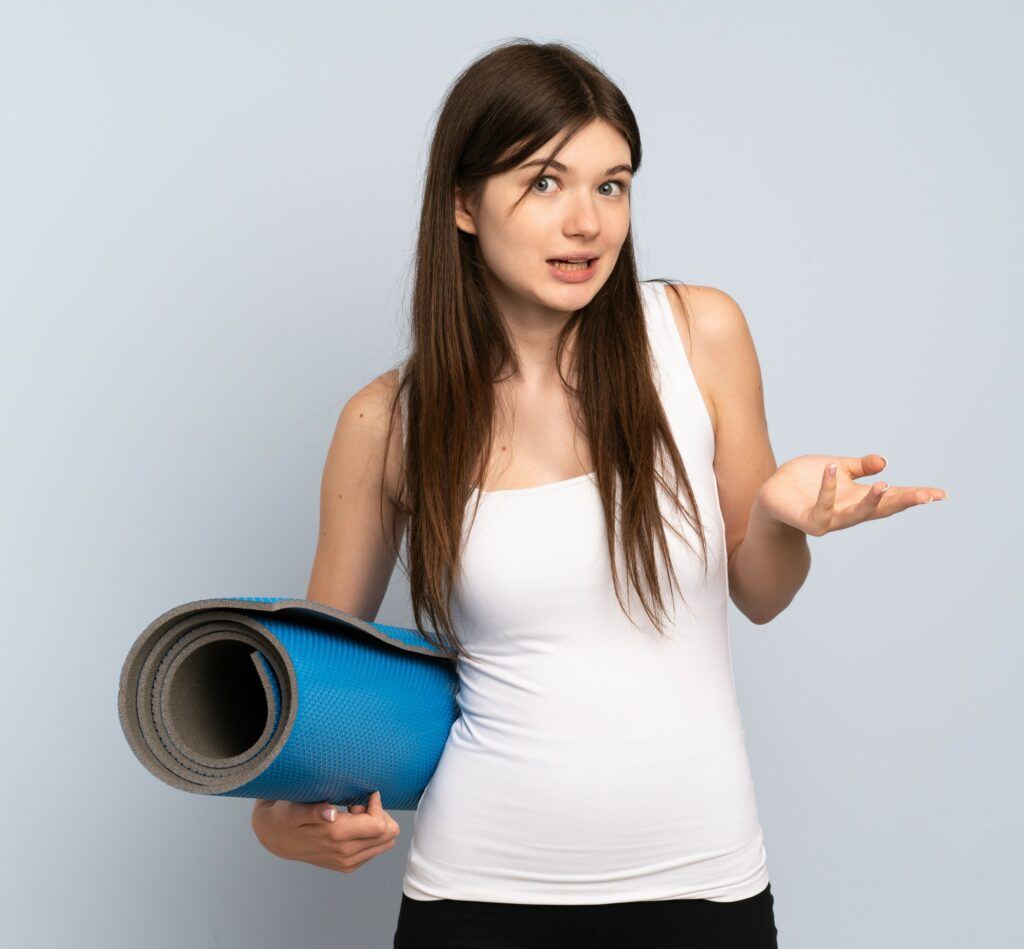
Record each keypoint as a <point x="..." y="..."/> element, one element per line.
<point x="573" y="271"/>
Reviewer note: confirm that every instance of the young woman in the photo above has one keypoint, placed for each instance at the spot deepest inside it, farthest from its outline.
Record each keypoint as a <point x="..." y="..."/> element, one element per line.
<point x="576" y="447"/>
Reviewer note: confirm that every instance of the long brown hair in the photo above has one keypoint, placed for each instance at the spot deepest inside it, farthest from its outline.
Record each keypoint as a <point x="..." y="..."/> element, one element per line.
<point x="500" y="110"/>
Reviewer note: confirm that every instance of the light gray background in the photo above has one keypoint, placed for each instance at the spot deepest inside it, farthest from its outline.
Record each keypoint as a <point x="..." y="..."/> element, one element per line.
<point x="209" y="211"/>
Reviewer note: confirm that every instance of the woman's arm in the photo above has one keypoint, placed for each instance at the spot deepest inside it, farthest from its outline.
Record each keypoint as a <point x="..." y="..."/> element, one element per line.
<point x="767" y="567"/>
<point x="354" y="559"/>
<point x="768" y="560"/>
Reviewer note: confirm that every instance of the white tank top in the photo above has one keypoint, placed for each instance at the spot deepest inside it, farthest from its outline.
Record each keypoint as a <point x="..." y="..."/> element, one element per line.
<point x="593" y="762"/>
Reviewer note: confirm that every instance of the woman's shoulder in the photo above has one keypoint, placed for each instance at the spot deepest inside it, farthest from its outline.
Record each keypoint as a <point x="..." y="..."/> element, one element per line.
<point x="364" y="420"/>
<point x="703" y="311"/>
<point x="713" y="331"/>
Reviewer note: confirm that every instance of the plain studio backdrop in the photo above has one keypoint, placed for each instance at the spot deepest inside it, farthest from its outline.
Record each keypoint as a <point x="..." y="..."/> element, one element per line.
<point x="208" y="217"/>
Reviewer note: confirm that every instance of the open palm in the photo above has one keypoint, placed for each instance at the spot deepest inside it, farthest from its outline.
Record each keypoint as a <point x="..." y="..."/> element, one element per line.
<point x="804" y="494"/>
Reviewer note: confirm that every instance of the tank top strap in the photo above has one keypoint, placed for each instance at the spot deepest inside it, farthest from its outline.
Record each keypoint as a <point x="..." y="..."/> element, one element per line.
<point x="682" y="398"/>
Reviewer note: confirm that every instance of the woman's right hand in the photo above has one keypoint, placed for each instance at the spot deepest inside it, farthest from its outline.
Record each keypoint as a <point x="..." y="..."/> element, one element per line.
<point x="323" y="834"/>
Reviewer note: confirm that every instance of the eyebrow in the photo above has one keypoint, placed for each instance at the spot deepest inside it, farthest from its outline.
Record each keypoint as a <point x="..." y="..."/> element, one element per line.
<point x="558" y="166"/>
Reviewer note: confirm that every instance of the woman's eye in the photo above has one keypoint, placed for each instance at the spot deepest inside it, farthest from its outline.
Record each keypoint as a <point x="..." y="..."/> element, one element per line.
<point x="615" y="181"/>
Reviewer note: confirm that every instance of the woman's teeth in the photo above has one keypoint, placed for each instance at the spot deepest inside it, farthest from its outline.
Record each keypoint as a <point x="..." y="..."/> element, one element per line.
<point x="577" y="265"/>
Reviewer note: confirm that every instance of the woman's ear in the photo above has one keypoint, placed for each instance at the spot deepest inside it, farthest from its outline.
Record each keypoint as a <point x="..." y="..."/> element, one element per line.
<point x="463" y="217"/>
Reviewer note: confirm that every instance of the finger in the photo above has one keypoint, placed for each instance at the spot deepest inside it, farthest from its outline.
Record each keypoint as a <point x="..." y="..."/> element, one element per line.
<point x="824" y="506"/>
<point x="363" y="808"/>
<point x="390" y="825"/>
<point x="373" y="823"/>
<point x="866" y="508"/>
<point x="858" y="467"/>
<point x="864" y="465"/>
<point x="359" y="808"/>
<point x="320" y="812"/>
<point x="347" y="864"/>
<point x="377" y="808"/>
<point x="900" y="498"/>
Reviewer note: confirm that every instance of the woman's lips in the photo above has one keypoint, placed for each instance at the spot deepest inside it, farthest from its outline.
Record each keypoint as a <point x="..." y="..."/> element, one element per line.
<point x="576" y="274"/>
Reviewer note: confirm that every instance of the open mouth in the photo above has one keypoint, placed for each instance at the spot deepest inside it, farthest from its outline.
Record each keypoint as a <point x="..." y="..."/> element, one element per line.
<point x="570" y="266"/>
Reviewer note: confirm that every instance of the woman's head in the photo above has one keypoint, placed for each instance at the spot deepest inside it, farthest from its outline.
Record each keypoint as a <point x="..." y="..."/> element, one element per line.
<point x="487" y="229"/>
<point x="546" y="208"/>
<point x="524" y="102"/>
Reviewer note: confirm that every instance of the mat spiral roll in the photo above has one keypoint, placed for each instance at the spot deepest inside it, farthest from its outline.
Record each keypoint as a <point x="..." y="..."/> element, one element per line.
<point x="289" y="699"/>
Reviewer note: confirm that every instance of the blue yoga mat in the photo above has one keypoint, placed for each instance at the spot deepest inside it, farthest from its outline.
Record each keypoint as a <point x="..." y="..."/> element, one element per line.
<point x="289" y="699"/>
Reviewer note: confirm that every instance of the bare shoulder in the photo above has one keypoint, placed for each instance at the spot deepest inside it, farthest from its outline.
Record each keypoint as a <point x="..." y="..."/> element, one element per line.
<point x="363" y="426"/>
<point x="716" y="338"/>
<point x="371" y="404"/>
<point x="359" y="520"/>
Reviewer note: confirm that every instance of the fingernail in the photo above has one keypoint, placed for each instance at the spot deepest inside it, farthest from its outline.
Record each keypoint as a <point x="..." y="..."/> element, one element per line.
<point x="884" y="460"/>
<point x="328" y="813"/>
<point x="832" y="469"/>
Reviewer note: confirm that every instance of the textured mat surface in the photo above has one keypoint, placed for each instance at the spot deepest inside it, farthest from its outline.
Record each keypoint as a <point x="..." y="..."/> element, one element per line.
<point x="289" y="699"/>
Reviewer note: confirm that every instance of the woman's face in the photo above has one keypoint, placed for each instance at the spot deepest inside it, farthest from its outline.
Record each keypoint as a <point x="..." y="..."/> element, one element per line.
<point x="582" y="207"/>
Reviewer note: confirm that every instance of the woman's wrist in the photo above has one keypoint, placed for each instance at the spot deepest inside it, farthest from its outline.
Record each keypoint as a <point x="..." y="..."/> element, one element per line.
<point x="771" y="527"/>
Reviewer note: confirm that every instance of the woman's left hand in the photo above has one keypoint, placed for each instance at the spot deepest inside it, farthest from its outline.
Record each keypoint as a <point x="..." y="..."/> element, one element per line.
<point x="805" y="494"/>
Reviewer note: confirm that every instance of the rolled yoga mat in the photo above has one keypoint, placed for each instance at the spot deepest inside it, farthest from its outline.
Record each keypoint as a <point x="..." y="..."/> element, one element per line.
<point x="289" y="699"/>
